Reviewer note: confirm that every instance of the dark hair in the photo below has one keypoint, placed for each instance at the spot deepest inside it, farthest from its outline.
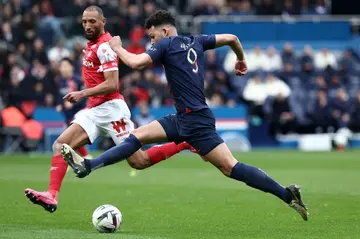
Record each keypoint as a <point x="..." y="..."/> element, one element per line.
<point x="68" y="60"/>
<point x="159" y="18"/>
<point x="95" y="8"/>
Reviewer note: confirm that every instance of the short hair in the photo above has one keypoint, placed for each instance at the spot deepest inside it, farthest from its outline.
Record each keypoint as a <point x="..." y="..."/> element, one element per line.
<point x="159" y="18"/>
<point x="95" y="8"/>
<point x="68" y="60"/>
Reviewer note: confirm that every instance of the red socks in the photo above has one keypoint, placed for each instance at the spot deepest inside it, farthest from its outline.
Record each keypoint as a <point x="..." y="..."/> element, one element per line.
<point x="57" y="174"/>
<point x="83" y="151"/>
<point x="159" y="153"/>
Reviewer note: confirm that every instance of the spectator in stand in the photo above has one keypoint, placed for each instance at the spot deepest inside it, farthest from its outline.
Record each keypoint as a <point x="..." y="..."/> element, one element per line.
<point x="136" y="36"/>
<point x="274" y="61"/>
<point x="283" y="119"/>
<point x="341" y="109"/>
<point x="26" y="30"/>
<point x="58" y="52"/>
<point x="305" y="8"/>
<point x="15" y="94"/>
<point x="256" y="60"/>
<point x="320" y="8"/>
<point x="288" y="55"/>
<point x="289" y="8"/>
<point x="255" y="92"/>
<point x="307" y="60"/>
<point x="38" y="52"/>
<point x="275" y="86"/>
<point x="7" y="34"/>
<point x="133" y="17"/>
<point x="348" y="60"/>
<point x="143" y="117"/>
<point x="325" y="58"/>
<point x="320" y="113"/>
<point x="206" y="7"/>
<point x="334" y="86"/>
<point x="355" y="113"/>
<point x="216" y="100"/>
<point x="241" y="8"/>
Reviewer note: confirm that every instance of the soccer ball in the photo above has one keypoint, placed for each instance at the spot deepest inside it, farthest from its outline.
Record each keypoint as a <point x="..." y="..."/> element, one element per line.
<point x="107" y="218"/>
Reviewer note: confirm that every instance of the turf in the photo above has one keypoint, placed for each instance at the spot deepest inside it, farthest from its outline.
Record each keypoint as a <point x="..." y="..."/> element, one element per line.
<point x="187" y="198"/>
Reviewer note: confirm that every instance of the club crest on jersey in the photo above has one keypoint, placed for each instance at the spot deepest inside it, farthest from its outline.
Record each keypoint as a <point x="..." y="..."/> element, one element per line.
<point x="184" y="46"/>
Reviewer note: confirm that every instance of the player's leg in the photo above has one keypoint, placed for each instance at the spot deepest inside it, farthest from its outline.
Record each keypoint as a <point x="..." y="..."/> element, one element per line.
<point x="156" y="154"/>
<point x="74" y="136"/>
<point x="83" y="151"/>
<point x="157" y="131"/>
<point x="222" y="158"/>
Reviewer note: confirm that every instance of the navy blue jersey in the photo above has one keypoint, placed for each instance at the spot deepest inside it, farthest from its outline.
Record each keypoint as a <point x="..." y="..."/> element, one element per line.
<point x="183" y="60"/>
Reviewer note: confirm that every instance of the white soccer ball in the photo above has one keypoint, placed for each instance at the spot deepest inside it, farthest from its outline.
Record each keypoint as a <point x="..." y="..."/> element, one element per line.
<point x="107" y="218"/>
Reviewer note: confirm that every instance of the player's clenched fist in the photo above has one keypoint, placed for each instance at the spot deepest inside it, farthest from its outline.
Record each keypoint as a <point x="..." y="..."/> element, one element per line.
<point x="74" y="97"/>
<point x="240" y="68"/>
<point x="115" y="42"/>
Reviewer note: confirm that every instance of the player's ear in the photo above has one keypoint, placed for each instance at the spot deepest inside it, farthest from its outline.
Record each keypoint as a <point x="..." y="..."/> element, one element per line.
<point x="165" y="31"/>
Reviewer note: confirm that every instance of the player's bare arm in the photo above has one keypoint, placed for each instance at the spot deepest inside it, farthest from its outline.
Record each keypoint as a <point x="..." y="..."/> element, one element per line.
<point x="109" y="85"/>
<point x="134" y="61"/>
<point x="235" y="44"/>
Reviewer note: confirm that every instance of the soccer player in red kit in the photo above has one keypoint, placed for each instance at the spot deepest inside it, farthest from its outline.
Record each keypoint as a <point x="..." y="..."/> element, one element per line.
<point x="106" y="114"/>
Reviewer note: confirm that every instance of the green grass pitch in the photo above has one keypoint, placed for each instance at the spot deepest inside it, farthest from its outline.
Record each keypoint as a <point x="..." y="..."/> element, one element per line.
<point x="185" y="197"/>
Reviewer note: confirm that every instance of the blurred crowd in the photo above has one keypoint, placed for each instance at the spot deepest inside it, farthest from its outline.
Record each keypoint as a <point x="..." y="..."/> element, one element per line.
<point x="296" y="91"/>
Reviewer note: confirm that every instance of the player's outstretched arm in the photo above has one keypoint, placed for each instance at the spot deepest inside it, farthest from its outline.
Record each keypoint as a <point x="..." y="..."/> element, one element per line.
<point x="134" y="61"/>
<point x="234" y="42"/>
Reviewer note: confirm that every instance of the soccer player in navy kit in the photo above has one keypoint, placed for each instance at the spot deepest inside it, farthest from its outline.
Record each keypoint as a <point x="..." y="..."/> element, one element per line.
<point x="183" y="61"/>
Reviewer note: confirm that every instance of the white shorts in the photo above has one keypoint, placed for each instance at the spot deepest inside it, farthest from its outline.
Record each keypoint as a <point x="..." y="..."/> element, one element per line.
<point x="111" y="118"/>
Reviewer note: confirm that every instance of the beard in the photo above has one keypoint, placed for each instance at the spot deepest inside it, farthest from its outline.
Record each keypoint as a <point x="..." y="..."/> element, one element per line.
<point x="93" y="34"/>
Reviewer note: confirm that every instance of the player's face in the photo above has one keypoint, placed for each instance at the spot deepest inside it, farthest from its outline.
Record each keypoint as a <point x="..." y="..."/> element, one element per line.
<point x="93" y="24"/>
<point x="156" y="33"/>
<point x="66" y="69"/>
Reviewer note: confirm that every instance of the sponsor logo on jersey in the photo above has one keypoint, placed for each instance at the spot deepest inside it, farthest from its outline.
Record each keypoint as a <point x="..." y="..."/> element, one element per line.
<point x="88" y="63"/>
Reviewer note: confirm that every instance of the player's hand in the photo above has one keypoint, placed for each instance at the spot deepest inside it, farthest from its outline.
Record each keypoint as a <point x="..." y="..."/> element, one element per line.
<point x="115" y="42"/>
<point x="240" y="68"/>
<point x="74" y="97"/>
<point x="68" y="105"/>
<point x="58" y="108"/>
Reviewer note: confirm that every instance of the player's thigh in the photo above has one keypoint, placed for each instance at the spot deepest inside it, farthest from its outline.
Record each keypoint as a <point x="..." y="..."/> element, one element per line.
<point x="84" y="119"/>
<point x="74" y="135"/>
<point x="222" y="158"/>
<point x="151" y="133"/>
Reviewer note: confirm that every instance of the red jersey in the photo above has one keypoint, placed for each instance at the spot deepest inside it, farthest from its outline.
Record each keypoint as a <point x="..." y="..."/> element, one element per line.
<point x="99" y="58"/>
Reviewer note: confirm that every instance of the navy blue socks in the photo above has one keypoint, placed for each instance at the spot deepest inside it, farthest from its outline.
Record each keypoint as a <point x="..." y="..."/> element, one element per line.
<point x="258" y="179"/>
<point x="116" y="154"/>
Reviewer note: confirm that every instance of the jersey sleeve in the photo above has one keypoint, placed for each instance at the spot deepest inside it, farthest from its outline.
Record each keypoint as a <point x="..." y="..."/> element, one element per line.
<point x="156" y="51"/>
<point x="207" y="41"/>
<point x="108" y="58"/>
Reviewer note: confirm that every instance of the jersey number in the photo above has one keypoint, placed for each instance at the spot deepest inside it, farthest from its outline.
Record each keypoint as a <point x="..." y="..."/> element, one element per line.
<point x="192" y="58"/>
<point x="119" y="125"/>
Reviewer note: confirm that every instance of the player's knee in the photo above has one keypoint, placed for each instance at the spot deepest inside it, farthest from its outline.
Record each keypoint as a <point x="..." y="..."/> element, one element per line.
<point x="56" y="146"/>
<point x="137" y="164"/>
<point x="227" y="166"/>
